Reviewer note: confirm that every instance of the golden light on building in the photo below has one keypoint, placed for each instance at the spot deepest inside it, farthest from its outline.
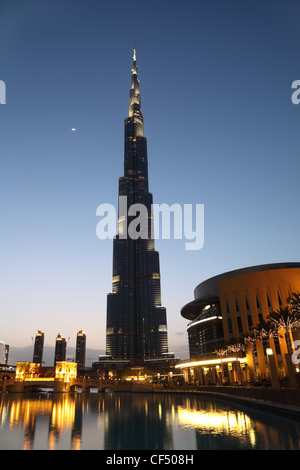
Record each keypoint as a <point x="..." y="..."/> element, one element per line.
<point x="65" y="370"/>
<point x="210" y="362"/>
<point x="230" y="305"/>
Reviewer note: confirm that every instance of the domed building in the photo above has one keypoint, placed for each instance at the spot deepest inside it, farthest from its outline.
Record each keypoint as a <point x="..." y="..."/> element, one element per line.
<point x="227" y="306"/>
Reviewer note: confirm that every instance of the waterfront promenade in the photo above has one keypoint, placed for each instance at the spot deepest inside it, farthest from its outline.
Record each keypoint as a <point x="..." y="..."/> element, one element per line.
<point x="285" y="400"/>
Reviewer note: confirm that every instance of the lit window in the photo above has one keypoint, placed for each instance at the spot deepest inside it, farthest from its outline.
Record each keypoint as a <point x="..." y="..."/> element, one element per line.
<point x="162" y="327"/>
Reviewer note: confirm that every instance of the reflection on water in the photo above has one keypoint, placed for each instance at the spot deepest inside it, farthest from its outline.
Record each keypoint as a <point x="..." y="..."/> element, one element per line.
<point x="138" y="421"/>
<point x="236" y="424"/>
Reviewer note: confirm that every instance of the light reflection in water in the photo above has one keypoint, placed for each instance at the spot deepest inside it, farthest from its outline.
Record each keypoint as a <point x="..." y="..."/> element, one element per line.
<point x="231" y="423"/>
<point x="138" y="421"/>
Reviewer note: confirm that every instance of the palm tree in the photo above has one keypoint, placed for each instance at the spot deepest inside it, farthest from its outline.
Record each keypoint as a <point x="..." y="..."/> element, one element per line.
<point x="236" y="348"/>
<point x="287" y="319"/>
<point x="221" y="352"/>
<point x="265" y="330"/>
<point x="294" y="302"/>
<point x="251" y="339"/>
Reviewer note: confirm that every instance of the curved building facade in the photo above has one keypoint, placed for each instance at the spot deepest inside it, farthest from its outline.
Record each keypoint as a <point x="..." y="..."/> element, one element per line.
<point x="227" y="306"/>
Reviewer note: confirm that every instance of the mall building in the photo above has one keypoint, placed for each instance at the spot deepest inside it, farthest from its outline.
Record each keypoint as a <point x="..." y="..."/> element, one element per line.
<point x="225" y="309"/>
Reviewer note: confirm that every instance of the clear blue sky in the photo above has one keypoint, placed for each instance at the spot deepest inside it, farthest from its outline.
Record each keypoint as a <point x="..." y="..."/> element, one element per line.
<point x="221" y="128"/>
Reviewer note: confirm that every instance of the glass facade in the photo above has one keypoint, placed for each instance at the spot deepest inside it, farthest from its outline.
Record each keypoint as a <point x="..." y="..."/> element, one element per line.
<point x="205" y="332"/>
<point x="136" y="320"/>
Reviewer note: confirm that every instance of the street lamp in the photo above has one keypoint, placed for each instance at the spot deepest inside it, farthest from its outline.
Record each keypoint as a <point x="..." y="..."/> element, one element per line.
<point x="273" y="368"/>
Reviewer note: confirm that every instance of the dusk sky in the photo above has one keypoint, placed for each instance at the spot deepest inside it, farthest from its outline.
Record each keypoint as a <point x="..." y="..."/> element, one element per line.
<point x="215" y="79"/>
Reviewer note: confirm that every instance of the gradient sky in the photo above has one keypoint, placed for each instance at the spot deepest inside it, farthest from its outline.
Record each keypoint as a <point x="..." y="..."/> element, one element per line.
<point x="221" y="129"/>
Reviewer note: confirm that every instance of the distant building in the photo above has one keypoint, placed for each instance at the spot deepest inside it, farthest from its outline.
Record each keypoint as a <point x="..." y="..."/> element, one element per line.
<point x="38" y="347"/>
<point x="60" y="349"/>
<point x="80" y="349"/>
<point x="4" y="351"/>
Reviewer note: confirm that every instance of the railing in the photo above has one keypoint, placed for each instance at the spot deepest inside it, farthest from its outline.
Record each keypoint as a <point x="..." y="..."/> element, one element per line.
<point x="284" y="396"/>
<point x="39" y="379"/>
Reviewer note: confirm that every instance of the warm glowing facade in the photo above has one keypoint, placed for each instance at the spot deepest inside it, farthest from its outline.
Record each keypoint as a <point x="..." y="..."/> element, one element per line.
<point x="136" y="320"/>
<point x="65" y="370"/>
<point x="32" y="376"/>
<point x="236" y="301"/>
<point x="28" y="371"/>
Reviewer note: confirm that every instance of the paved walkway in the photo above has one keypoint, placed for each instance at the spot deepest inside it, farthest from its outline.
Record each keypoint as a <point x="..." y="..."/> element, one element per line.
<point x="285" y="401"/>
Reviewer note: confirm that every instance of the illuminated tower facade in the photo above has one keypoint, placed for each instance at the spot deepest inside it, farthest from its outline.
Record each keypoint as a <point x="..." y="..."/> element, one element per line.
<point x="136" y="321"/>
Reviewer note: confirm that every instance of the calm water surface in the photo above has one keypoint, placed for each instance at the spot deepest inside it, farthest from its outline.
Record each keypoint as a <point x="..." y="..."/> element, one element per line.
<point x="139" y="421"/>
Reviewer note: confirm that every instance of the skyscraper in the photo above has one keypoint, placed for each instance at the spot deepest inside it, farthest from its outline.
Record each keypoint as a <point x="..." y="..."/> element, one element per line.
<point x="80" y="349"/>
<point x="60" y="348"/>
<point x="136" y="321"/>
<point x="38" y="347"/>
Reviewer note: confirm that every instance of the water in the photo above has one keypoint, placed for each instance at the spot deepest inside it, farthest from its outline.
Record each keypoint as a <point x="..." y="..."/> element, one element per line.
<point x="124" y="421"/>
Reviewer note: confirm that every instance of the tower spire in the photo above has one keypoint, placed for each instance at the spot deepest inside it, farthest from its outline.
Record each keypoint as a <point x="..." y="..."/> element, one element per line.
<point x="135" y="99"/>
<point x="134" y="52"/>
